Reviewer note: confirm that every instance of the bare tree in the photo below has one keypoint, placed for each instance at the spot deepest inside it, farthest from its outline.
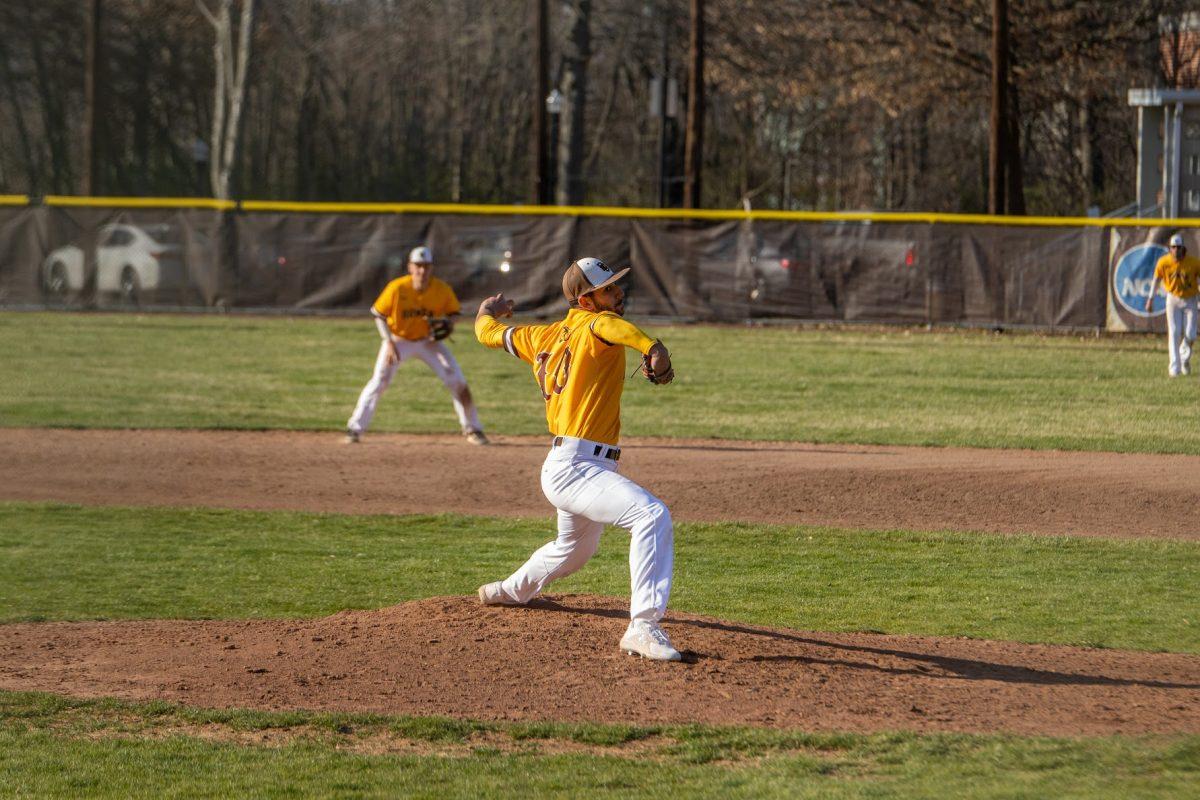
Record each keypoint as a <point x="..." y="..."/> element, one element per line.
<point x="694" y="138"/>
<point x="998" y="150"/>
<point x="576" y="55"/>
<point x="541" y="72"/>
<point x="92" y="97"/>
<point x="833" y="104"/>
<point x="229" y="93"/>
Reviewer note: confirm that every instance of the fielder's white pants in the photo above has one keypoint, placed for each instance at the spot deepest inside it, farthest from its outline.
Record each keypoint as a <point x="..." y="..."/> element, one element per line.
<point x="440" y="360"/>
<point x="1181" y="330"/>
<point x="589" y="494"/>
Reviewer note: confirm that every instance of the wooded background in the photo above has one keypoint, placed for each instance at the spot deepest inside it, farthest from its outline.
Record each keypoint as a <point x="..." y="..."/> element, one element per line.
<point x="829" y="105"/>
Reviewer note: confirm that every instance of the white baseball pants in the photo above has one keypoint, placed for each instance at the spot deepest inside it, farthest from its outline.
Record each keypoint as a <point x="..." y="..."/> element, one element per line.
<point x="440" y="360"/>
<point x="1181" y="331"/>
<point x="588" y="493"/>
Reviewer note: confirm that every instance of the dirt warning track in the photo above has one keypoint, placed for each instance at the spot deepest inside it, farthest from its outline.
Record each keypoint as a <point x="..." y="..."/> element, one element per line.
<point x="1003" y="491"/>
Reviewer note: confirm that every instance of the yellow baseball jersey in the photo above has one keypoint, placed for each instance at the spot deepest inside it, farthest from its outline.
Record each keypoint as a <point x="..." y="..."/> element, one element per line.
<point x="1178" y="276"/>
<point x="579" y="364"/>
<point x="407" y="311"/>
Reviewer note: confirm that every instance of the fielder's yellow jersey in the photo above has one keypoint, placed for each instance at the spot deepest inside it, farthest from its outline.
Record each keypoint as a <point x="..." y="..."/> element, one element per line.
<point x="579" y="364"/>
<point x="407" y="311"/>
<point x="1178" y="276"/>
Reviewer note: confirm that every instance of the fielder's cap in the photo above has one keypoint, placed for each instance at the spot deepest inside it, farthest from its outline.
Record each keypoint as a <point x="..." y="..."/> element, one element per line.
<point x="421" y="255"/>
<point x="587" y="275"/>
<point x="1177" y="241"/>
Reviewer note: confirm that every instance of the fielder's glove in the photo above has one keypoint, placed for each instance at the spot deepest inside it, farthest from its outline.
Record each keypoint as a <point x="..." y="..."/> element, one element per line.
<point x="648" y="371"/>
<point x="440" y="328"/>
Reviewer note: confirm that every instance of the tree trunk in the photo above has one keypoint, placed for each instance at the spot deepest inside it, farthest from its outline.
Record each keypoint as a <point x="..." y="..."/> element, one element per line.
<point x="1014" y="190"/>
<point x="230" y="90"/>
<point x="998" y="147"/>
<point x="693" y="148"/>
<point x="571" y="139"/>
<point x="540" y="157"/>
<point x="92" y="95"/>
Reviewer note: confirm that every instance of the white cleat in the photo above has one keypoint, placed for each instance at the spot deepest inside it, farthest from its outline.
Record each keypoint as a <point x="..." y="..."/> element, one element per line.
<point x="476" y="437"/>
<point x="649" y="640"/>
<point x="352" y="437"/>
<point x="492" y="594"/>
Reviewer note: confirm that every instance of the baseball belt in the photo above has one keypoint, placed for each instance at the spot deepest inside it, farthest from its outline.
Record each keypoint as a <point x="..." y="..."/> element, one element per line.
<point x="588" y="447"/>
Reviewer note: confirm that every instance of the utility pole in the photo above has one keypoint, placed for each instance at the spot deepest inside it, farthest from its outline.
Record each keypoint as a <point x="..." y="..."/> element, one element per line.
<point x="577" y="52"/>
<point x="663" y="83"/>
<point x="540" y="194"/>
<point x="92" y="85"/>
<point x="998" y="124"/>
<point x="693" y="148"/>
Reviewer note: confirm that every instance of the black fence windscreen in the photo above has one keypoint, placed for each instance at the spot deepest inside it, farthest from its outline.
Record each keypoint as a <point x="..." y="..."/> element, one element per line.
<point x="737" y="270"/>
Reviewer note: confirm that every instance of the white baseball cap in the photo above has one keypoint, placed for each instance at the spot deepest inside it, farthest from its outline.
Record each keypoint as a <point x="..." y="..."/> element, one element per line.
<point x="587" y="275"/>
<point x="1177" y="241"/>
<point x="421" y="255"/>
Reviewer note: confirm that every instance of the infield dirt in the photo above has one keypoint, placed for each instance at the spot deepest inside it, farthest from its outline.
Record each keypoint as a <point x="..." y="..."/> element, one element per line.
<point x="854" y="486"/>
<point x="558" y="659"/>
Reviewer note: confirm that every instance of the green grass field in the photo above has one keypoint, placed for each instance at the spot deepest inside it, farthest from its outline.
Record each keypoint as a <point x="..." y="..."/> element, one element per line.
<point x="69" y="562"/>
<point x="888" y="387"/>
<point x="61" y="562"/>
<point x="51" y="747"/>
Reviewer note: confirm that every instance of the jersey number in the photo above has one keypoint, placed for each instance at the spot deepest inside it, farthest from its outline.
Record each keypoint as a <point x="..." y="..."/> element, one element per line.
<point x="553" y="381"/>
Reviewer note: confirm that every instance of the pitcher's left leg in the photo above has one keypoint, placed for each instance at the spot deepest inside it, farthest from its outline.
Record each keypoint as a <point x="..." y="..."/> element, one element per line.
<point x="614" y="499"/>
<point x="651" y="557"/>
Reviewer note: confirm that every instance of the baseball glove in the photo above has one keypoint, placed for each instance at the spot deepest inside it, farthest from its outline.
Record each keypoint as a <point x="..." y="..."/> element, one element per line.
<point x="440" y="328"/>
<point x="648" y="371"/>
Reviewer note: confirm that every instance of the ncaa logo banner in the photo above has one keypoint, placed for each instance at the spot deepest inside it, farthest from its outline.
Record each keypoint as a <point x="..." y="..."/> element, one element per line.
<point x="1130" y="277"/>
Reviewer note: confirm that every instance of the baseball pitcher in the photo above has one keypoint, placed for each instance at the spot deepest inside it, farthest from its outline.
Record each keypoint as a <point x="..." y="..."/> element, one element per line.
<point x="414" y="314"/>
<point x="579" y="366"/>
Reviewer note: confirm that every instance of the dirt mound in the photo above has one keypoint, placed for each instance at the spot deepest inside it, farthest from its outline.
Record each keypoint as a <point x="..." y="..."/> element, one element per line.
<point x="558" y="660"/>
<point x="880" y="488"/>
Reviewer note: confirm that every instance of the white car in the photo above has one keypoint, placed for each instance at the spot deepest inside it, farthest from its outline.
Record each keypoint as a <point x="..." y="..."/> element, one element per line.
<point x="130" y="260"/>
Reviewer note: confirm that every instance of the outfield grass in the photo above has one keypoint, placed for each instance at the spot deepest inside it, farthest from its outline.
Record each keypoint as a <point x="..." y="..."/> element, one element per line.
<point x="51" y="747"/>
<point x="67" y="562"/>
<point x="890" y="387"/>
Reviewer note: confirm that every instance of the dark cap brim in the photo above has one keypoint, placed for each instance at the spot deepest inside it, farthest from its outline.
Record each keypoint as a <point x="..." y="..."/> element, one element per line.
<point x="608" y="282"/>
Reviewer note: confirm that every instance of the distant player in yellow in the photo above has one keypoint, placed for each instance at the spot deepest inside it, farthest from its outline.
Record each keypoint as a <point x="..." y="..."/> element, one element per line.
<point x="1178" y="273"/>
<point x="579" y="366"/>
<point x="414" y="314"/>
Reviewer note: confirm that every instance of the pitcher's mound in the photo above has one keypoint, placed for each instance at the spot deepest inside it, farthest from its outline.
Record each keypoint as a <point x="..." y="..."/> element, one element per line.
<point x="557" y="659"/>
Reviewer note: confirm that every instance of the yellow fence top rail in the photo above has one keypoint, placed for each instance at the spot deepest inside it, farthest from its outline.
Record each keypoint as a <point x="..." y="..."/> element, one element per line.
<point x="70" y="201"/>
<point x="918" y="217"/>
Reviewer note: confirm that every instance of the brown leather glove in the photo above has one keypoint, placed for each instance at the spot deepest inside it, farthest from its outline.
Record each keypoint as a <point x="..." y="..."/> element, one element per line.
<point x="653" y="377"/>
<point x="440" y="328"/>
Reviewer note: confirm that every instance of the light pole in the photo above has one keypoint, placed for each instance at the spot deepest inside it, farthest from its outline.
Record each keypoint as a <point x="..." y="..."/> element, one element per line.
<point x="554" y="107"/>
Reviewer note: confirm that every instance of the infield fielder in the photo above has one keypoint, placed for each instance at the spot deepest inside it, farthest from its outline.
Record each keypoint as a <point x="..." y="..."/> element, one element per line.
<point x="414" y="313"/>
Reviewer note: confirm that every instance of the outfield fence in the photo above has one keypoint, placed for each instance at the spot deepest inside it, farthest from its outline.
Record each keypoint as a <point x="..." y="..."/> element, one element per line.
<point x="731" y="266"/>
